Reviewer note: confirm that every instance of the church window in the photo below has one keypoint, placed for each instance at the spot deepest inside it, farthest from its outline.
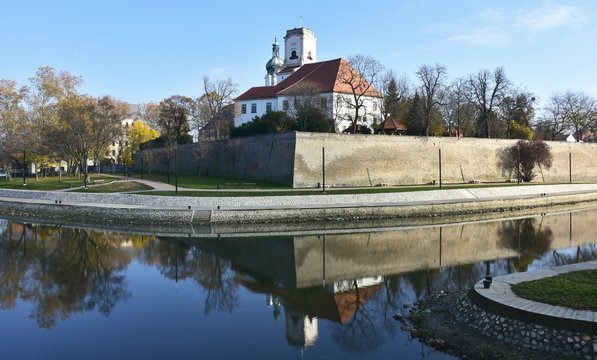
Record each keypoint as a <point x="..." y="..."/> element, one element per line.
<point x="309" y="56"/>
<point x="243" y="109"/>
<point x="374" y="106"/>
<point x="285" y="105"/>
<point x="293" y="55"/>
<point x="253" y="108"/>
<point x="268" y="106"/>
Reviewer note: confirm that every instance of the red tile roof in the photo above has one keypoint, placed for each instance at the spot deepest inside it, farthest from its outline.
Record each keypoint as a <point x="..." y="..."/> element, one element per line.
<point x="326" y="74"/>
<point x="392" y="124"/>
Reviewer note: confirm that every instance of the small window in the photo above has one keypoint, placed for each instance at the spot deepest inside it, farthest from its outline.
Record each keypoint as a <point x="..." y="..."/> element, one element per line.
<point x="323" y="103"/>
<point x="268" y="106"/>
<point x="285" y="105"/>
<point x="374" y="106"/>
<point x="309" y="56"/>
<point x="243" y="109"/>
<point x="113" y="153"/>
<point x="113" y="143"/>
<point x="293" y="55"/>
<point x="253" y="108"/>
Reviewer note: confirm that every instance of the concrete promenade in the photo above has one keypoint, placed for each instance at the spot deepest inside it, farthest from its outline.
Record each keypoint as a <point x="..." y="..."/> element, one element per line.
<point x="500" y="294"/>
<point x="186" y="209"/>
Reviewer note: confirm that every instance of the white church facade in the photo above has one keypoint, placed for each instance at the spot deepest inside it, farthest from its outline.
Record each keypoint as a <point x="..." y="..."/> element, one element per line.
<point x="300" y="66"/>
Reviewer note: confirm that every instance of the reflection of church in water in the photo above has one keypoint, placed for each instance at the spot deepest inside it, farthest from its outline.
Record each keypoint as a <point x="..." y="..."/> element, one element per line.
<point x="336" y="302"/>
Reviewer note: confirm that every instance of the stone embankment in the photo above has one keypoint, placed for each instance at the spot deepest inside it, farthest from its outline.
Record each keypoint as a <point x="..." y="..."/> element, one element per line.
<point x="567" y="343"/>
<point x="254" y="209"/>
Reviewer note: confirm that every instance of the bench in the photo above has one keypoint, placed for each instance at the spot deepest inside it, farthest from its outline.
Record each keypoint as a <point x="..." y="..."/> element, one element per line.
<point x="237" y="184"/>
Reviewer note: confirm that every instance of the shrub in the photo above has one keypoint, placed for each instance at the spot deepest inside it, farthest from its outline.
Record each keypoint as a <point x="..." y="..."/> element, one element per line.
<point x="523" y="156"/>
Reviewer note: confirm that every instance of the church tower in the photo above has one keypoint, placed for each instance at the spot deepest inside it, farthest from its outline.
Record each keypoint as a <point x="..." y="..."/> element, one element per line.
<point x="299" y="47"/>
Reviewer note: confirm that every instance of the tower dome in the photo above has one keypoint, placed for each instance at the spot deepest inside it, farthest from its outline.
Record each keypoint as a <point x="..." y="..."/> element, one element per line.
<point x="275" y="64"/>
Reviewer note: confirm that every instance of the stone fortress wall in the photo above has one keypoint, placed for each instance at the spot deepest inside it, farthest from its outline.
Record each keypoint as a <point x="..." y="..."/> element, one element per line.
<point x="368" y="160"/>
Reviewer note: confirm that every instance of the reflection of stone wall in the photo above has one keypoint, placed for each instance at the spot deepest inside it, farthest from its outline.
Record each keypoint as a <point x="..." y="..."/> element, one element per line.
<point x="373" y="159"/>
<point x="305" y="261"/>
<point x="353" y="256"/>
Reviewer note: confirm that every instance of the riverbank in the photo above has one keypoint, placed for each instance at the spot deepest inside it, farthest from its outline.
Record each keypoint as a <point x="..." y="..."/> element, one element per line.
<point x="127" y="208"/>
<point x="495" y="323"/>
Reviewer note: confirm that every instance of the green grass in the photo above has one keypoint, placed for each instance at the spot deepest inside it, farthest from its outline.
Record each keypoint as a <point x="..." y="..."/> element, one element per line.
<point x="195" y="182"/>
<point x="576" y="289"/>
<point x="116" y="187"/>
<point x="48" y="183"/>
<point x="333" y="191"/>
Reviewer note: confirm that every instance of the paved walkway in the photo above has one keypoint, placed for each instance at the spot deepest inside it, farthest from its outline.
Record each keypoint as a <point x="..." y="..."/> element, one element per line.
<point x="308" y="207"/>
<point x="501" y="294"/>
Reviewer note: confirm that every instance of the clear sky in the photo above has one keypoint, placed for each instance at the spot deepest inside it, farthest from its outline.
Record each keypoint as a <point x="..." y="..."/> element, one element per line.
<point x="141" y="51"/>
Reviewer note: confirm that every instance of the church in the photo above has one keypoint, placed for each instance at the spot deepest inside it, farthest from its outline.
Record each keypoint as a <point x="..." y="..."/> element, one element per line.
<point x="300" y="68"/>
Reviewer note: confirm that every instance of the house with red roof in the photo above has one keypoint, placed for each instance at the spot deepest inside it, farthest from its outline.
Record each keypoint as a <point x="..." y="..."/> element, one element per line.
<point x="299" y="70"/>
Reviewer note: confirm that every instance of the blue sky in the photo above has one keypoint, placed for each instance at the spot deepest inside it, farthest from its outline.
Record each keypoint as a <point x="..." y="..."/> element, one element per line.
<point x="141" y="51"/>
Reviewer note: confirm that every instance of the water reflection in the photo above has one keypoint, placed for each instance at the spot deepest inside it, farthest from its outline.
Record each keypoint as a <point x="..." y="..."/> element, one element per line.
<point x="353" y="283"/>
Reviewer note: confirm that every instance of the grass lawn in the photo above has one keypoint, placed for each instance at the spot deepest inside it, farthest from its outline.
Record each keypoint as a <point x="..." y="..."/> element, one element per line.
<point x="333" y="191"/>
<point x="49" y="183"/>
<point x="116" y="187"/>
<point x="195" y="182"/>
<point x="576" y="289"/>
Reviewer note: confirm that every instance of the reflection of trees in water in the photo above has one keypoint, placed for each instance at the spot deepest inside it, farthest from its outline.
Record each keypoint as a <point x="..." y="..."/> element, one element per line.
<point x="61" y="271"/>
<point x="581" y="254"/>
<point x="177" y="260"/>
<point x="529" y="239"/>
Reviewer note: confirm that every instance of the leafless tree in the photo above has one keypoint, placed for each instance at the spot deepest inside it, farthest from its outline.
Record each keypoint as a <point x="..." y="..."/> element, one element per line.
<point x="210" y="107"/>
<point x="432" y="79"/>
<point x="486" y="90"/>
<point x="358" y="76"/>
<point x="149" y="112"/>
<point x="579" y="111"/>
<point x="459" y="111"/>
<point x="304" y="104"/>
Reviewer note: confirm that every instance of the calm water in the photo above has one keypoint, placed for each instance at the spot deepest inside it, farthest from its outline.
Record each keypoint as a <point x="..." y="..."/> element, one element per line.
<point x="74" y="293"/>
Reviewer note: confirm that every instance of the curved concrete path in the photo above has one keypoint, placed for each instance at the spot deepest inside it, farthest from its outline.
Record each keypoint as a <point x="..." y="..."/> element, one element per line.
<point x="501" y="296"/>
<point x="240" y="208"/>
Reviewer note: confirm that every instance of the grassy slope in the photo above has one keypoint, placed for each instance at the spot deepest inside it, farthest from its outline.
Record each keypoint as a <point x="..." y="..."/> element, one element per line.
<point x="48" y="183"/>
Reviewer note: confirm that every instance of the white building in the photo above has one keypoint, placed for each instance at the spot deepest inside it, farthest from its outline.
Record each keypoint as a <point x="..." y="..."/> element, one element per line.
<point x="117" y="146"/>
<point x="300" y="66"/>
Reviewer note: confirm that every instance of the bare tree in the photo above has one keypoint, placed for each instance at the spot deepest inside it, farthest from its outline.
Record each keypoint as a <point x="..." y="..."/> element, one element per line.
<point x="432" y="84"/>
<point x="358" y="75"/>
<point x="459" y="111"/>
<point x="486" y="90"/>
<point x="552" y="123"/>
<point x="149" y="112"/>
<point x="210" y="106"/>
<point x="307" y="107"/>
<point x="579" y="111"/>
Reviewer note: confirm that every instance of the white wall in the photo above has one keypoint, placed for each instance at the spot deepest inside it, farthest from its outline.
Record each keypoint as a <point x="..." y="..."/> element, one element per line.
<point x="240" y="118"/>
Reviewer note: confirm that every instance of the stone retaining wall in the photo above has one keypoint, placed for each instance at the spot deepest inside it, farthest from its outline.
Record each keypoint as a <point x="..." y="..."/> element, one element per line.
<point x="567" y="343"/>
<point x="368" y="160"/>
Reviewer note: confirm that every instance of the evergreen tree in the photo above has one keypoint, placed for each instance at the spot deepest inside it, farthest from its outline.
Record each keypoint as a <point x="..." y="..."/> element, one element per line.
<point x="415" y="120"/>
<point x="392" y="99"/>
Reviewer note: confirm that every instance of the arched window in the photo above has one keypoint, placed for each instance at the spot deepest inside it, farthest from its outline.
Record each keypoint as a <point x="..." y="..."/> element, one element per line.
<point x="309" y="56"/>
<point x="293" y="55"/>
